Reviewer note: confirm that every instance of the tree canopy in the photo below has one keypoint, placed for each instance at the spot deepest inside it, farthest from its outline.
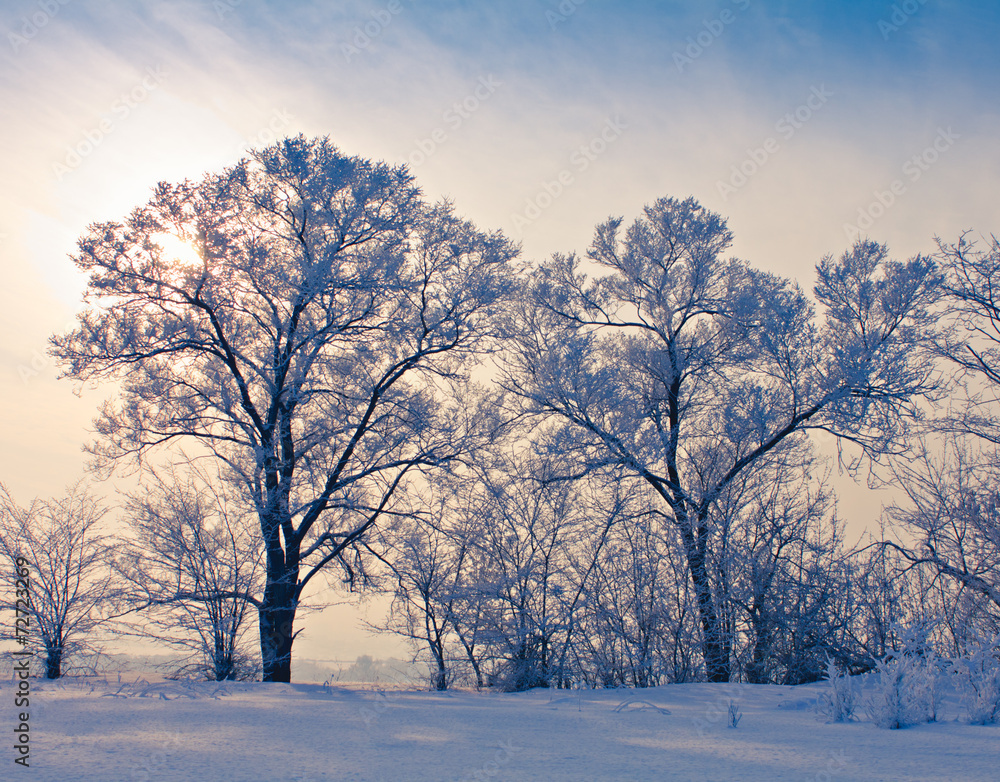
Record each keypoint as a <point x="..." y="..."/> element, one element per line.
<point x="306" y="318"/>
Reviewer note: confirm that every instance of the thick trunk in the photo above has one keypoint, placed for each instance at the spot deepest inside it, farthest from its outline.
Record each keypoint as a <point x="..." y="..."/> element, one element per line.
<point x="277" y="618"/>
<point x="53" y="663"/>
<point x="440" y="678"/>
<point x="714" y="648"/>
<point x="276" y="643"/>
<point x="277" y="610"/>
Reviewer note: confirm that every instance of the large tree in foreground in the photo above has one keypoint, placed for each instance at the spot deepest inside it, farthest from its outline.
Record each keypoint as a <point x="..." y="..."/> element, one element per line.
<point x="307" y="320"/>
<point x="691" y="369"/>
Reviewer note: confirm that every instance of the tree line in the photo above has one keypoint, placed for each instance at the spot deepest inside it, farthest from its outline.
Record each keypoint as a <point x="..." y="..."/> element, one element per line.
<point x="597" y="468"/>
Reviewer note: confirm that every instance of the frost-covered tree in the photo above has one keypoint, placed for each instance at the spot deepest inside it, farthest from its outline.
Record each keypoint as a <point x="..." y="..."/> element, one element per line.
<point x="689" y="369"/>
<point x="492" y="568"/>
<point x="948" y="521"/>
<point x="71" y="594"/>
<point x="906" y="688"/>
<point x="528" y="531"/>
<point x="426" y="554"/>
<point x="978" y="672"/>
<point x="308" y="320"/>
<point x="193" y="566"/>
<point x="778" y="559"/>
<point x="637" y="628"/>
<point x="969" y="341"/>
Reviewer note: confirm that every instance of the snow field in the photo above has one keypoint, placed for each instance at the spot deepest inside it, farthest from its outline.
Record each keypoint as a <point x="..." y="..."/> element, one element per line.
<point x="305" y="733"/>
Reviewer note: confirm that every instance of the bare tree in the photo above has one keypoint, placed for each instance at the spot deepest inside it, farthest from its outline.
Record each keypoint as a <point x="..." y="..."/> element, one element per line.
<point x="313" y="337"/>
<point x="637" y="629"/>
<point x="952" y="517"/>
<point x="774" y="559"/>
<point x="689" y="370"/>
<point x="71" y="590"/>
<point x="949" y="524"/>
<point x="425" y="554"/>
<point x="970" y="338"/>
<point x="194" y="569"/>
<point x="526" y="534"/>
<point x="776" y="578"/>
<point x="493" y="567"/>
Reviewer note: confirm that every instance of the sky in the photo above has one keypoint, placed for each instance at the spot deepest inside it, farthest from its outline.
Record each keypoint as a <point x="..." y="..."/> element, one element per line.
<point x="805" y="124"/>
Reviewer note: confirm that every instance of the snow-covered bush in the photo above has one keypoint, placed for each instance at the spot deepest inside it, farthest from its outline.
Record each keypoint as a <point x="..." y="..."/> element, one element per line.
<point x="524" y="670"/>
<point x="838" y="703"/>
<point x="978" y="673"/>
<point x="907" y="684"/>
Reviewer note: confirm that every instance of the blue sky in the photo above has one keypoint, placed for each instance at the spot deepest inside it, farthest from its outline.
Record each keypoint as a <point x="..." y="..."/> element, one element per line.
<point x="795" y="120"/>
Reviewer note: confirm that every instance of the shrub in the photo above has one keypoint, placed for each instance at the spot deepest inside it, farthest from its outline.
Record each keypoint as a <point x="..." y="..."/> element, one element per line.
<point x="838" y="703"/>
<point x="906" y="690"/>
<point x="978" y="673"/>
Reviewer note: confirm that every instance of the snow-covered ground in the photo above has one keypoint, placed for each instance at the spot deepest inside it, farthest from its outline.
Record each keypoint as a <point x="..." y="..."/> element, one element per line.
<point x="103" y="730"/>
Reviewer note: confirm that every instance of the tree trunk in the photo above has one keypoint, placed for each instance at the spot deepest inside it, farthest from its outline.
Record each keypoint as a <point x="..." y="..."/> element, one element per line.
<point x="756" y="670"/>
<point x="470" y="653"/>
<point x="53" y="663"/>
<point x="441" y="674"/>
<point x="277" y="609"/>
<point x="277" y="617"/>
<point x="222" y="661"/>
<point x="714" y="648"/>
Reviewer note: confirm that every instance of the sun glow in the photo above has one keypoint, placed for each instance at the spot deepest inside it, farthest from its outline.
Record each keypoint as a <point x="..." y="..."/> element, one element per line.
<point x="179" y="252"/>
